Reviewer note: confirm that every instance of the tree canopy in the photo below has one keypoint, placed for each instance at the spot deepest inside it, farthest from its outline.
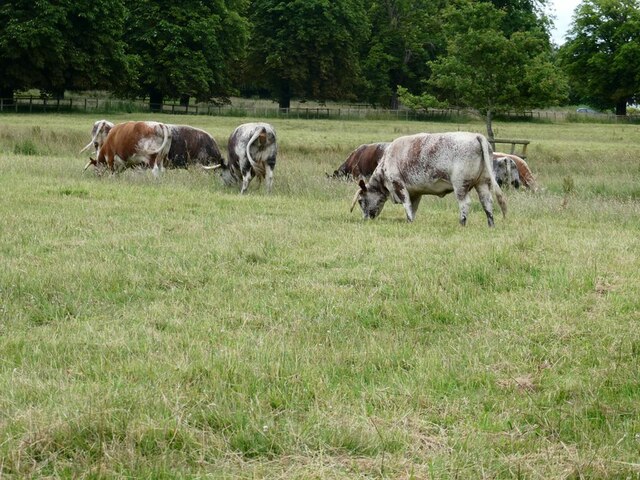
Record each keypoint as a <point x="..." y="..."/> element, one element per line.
<point x="186" y="48"/>
<point x="602" y="54"/>
<point x="491" y="70"/>
<point x="54" y="46"/>
<point x="307" y="48"/>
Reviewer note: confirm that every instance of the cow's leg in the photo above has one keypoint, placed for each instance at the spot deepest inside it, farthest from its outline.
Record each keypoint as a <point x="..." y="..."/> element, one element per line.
<point x="462" y="195"/>
<point x="269" y="178"/>
<point x="415" y="202"/>
<point x="246" y="178"/>
<point x="486" y="199"/>
<point x="270" y="167"/>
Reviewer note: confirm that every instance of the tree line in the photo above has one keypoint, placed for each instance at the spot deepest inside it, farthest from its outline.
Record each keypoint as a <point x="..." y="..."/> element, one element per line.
<point x="488" y="55"/>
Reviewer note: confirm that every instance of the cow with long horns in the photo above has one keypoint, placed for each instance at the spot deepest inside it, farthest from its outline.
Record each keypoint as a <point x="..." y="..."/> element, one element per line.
<point x="432" y="164"/>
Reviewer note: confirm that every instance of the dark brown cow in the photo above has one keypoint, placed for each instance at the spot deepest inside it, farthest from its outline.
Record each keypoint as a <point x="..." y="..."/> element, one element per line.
<point x="132" y="144"/>
<point x="192" y="146"/>
<point x="361" y="162"/>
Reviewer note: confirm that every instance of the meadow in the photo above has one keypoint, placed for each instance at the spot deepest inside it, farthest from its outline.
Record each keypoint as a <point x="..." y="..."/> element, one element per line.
<point x="174" y="329"/>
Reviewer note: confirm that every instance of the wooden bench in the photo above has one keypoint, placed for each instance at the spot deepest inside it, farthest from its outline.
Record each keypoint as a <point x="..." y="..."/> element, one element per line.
<point x="513" y="143"/>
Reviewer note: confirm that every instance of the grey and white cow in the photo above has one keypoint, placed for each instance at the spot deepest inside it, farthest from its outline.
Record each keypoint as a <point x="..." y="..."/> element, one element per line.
<point x="505" y="171"/>
<point x="432" y="164"/>
<point x="99" y="133"/>
<point x="252" y="152"/>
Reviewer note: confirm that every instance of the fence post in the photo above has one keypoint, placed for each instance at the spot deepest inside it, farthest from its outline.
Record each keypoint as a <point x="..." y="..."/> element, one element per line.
<point x="1" y="104"/>
<point x="30" y="104"/>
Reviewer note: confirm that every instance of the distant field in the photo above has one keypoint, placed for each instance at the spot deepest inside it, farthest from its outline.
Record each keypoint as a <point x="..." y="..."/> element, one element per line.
<point x="174" y="329"/>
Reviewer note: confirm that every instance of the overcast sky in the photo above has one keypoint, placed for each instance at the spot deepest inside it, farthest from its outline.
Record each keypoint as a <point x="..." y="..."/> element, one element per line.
<point x="563" y="11"/>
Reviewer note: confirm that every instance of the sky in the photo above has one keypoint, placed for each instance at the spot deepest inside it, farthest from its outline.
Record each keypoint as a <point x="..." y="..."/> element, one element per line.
<point x="563" y="11"/>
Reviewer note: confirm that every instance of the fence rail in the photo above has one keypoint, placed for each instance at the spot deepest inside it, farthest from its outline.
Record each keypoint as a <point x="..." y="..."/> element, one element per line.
<point x="34" y="104"/>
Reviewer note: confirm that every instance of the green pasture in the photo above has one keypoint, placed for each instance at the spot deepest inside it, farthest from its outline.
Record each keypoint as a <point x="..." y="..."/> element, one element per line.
<point x="175" y="329"/>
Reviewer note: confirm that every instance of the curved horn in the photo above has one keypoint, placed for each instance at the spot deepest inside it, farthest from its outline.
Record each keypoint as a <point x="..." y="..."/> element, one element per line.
<point x="87" y="146"/>
<point x="355" y="200"/>
<point x="87" y="166"/>
<point x="212" y="167"/>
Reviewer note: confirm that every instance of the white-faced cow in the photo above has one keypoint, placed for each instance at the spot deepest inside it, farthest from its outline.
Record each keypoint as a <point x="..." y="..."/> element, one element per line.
<point x="506" y="172"/>
<point x="252" y="152"/>
<point x="99" y="133"/>
<point x="361" y="162"/>
<point x="133" y="144"/>
<point x="432" y="164"/>
<point x="527" y="179"/>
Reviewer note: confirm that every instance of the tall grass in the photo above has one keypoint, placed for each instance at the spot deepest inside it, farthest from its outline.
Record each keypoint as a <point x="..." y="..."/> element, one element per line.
<point x="173" y="328"/>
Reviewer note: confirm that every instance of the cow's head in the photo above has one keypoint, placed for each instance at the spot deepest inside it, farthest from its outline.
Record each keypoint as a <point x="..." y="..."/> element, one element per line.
<point x="99" y="133"/>
<point x="371" y="198"/>
<point x="506" y="172"/>
<point x="227" y="174"/>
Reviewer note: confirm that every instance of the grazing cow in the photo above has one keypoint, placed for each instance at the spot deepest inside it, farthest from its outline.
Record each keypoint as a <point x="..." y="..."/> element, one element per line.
<point x="252" y="152"/>
<point x="99" y="133"/>
<point x="132" y="144"/>
<point x="361" y="162"/>
<point x="190" y="146"/>
<point x="506" y="172"/>
<point x="527" y="179"/>
<point x="432" y="164"/>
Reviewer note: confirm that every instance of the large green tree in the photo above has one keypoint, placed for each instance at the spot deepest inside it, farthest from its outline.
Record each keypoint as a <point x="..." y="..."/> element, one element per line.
<point x="405" y="35"/>
<point x="490" y="70"/>
<point x="602" y="54"/>
<point x="307" y="48"/>
<point x="58" y="45"/>
<point x="186" y="49"/>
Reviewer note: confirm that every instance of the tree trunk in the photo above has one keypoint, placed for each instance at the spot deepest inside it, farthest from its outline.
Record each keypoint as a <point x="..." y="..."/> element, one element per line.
<point x="489" y="122"/>
<point x="394" y="103"/>
<point x="155" y="101"/>
<point x="6" y="94"/>
<point x="621" y="107"/>
<point x="284" y="97"/>
<point x="184" y="100"/>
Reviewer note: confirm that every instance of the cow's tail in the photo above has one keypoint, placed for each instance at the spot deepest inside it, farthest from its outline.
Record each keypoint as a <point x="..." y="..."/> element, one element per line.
<point x="163" y="151"/>
<point x="259" y="169"/>
<point x="488" y="158"/>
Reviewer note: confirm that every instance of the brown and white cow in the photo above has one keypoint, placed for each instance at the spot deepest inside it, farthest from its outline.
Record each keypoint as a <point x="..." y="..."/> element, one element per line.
<point x="189" y="145"/>
<point x="99" y="133"/>
<point x="527" y="179"/>
<point x="133" y="144"/>
<point x="432" y="164"/>
<point x="252" y="152"/>
<point x="362" y="161"/>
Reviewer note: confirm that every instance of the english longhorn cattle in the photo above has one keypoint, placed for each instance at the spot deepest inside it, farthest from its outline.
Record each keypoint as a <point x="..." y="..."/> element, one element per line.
<point x="432" y="164"/>
<point x="527" y="179"/>
<point x="189" y="145"/>
<point x="132" y="144"/>
<point x="506" y="172"/>
<point x="252" y="152"/>
<point x="192" y="146"/>
<point x="362" y="161"/>
<point x="99" y="133"/>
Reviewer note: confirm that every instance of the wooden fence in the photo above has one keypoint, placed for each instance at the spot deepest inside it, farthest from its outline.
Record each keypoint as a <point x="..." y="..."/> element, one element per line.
<point x="34" y="104"/>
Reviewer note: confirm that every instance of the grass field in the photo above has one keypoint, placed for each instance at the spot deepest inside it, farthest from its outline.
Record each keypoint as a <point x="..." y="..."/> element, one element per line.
<point x="174" y="329"/>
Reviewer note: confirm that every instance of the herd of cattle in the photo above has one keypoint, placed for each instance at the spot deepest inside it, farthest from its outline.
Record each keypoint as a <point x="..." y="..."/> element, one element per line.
<point x="403" y="170"/>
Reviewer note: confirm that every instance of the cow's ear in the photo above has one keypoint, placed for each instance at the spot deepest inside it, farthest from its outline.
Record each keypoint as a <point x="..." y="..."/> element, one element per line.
<point x="363" y="186"/>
